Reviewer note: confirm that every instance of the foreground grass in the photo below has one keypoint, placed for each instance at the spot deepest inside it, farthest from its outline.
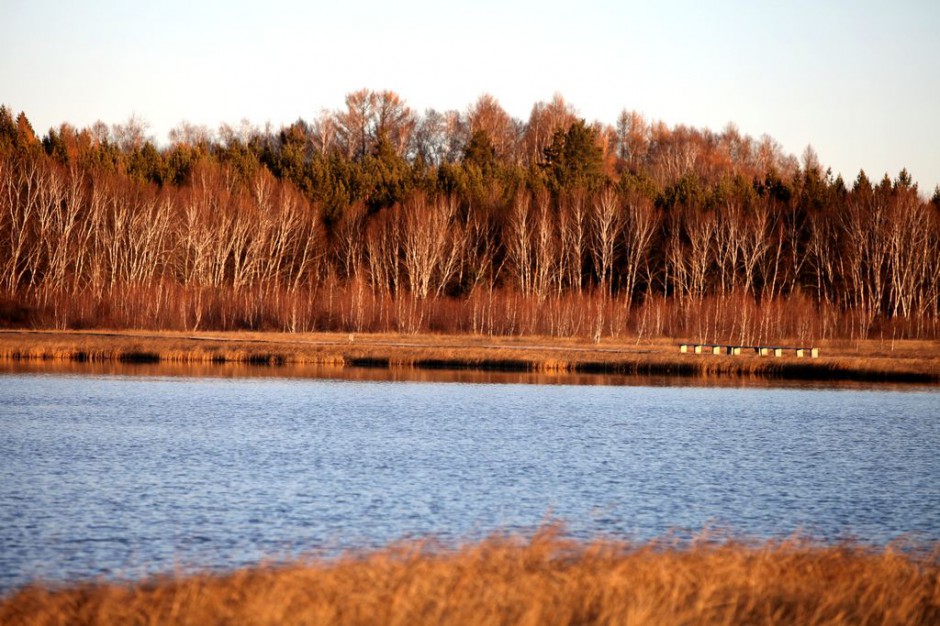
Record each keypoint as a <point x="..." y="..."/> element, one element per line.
<point x="544" y="581"/>
<point x="902" y="361"/>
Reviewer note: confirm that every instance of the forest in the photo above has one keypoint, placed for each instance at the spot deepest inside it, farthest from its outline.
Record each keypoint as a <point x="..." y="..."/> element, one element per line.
<point x="377" y="218"/>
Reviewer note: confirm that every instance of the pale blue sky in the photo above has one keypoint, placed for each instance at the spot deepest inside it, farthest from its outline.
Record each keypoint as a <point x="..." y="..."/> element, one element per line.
<point x="859" y="80"/>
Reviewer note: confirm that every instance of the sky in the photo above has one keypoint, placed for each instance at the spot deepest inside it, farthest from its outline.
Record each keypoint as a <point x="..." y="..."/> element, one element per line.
<point x="859" y="80"/>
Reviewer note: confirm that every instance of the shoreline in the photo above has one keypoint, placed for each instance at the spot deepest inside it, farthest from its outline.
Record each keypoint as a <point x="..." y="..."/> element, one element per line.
<point x="545" y="579"/>
<point x="862" y="361"/>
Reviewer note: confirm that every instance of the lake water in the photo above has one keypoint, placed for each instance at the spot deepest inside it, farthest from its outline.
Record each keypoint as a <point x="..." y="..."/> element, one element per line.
<point x="121" y="476"/>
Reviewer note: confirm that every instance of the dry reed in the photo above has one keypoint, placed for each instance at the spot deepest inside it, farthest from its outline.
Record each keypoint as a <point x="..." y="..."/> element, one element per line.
<point x="546" y="580"/>
<point x="895" y="361"/>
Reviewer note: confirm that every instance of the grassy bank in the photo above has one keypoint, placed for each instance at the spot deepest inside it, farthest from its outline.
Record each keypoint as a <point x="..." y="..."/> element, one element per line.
<point x="902" y="361"/>
<point x="544" y="581"/>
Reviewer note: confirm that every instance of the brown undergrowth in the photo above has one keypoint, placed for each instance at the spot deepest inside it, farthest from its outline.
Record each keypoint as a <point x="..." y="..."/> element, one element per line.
<point x="546" y="580"/>
<point x="870" y="361"/>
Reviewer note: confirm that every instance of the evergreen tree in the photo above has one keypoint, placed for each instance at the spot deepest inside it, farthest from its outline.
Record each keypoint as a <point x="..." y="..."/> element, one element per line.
<point x="573" y="160"/>
<point x="388" y="176"/>
<point x="25" y="135"/>
<point x="480" y="151"/>
<point x="7" y="130"/>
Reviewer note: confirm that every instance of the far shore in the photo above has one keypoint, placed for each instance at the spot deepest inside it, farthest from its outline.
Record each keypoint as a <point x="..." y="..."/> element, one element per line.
<point x="865" y="361"/>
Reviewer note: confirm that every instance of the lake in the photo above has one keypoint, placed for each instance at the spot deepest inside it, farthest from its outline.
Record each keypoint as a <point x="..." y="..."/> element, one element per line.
<point x="119" y="476"/>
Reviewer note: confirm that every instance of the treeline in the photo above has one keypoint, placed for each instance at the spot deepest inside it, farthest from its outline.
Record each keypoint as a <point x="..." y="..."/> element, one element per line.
<point x="375" y="218"/>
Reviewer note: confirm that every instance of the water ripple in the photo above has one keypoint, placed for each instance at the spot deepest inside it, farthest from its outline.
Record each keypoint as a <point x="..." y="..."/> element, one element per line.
<point x="120" y="476"/>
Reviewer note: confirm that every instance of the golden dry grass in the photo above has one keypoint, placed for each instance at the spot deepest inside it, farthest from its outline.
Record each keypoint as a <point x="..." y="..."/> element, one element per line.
<point x="545" y="581"/>
<point x="872" y="360"/>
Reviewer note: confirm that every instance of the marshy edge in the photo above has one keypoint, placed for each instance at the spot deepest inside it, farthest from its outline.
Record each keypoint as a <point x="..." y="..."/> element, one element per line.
<point x="862" y="361"/>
